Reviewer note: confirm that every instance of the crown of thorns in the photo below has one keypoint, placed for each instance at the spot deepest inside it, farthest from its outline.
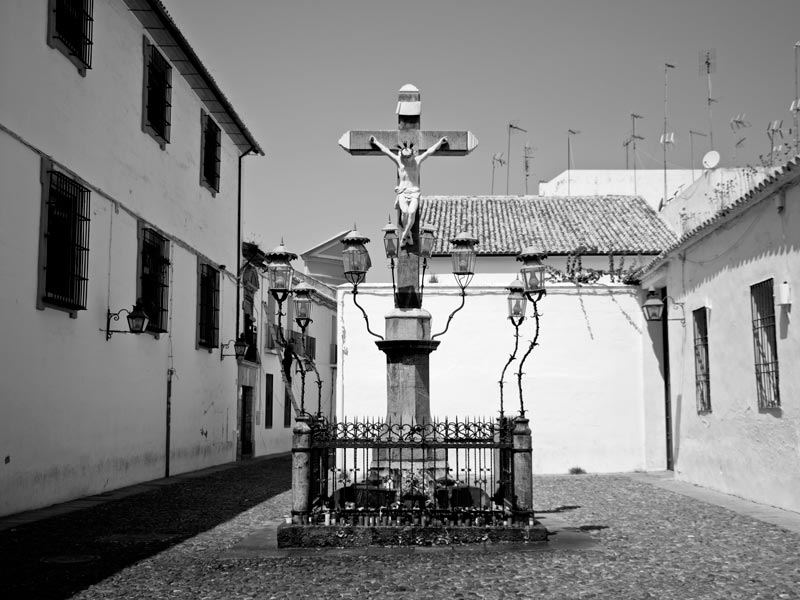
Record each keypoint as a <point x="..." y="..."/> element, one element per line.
<point x="408" y="145"/>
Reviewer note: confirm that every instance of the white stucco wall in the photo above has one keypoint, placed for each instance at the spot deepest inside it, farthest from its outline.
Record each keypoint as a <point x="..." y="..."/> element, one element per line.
<point x="82" y="414"/>
<point x="583" y="386"/>
<point x="737" y="448"/>
<point x="649" y="183"/>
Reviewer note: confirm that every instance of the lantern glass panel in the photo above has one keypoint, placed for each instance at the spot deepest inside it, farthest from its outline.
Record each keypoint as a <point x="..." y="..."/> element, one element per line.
<point x="302" y="306"/>
<point x="533" y="277"/>
<point x="463" y="261"/>
<point x="653" y="309"/>
<point x="517" y="304"/>
<point x="137" y="320"/>
<point x="390" y="243"/>
<point x="240" y="348"/>
<point x="280" y="277"/>
<point x="426" y="241"/>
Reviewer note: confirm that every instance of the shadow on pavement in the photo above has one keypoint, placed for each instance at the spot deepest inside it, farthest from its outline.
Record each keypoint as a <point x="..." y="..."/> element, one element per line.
<point x="58" y="557"/>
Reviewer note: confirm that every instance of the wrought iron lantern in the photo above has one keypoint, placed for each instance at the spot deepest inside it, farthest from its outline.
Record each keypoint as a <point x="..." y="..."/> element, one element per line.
<point x="355" y="256"/>
<point x="280" y="271"/>
<point x="463" y="255"/>
<point x="239" y="348"/>
<point x="137" y="320"/>
<point x="303" y="306"/>
<point x="653" y="306"/>
<point x="533" y="272"/>
<point x="390" y="240"/>
<point x="517" y="302"/>
<point x="427" y="238"/>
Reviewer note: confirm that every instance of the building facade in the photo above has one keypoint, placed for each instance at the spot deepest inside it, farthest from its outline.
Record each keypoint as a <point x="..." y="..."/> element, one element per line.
<point x="119" y="162"/>
<point x="733" y="353"/>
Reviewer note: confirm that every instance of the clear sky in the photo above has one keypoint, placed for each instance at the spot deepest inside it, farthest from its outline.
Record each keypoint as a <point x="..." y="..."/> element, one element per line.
<point x="300" y="73"/>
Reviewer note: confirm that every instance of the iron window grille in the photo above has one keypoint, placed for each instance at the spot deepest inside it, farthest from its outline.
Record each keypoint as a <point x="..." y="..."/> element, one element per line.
<point x="765" y="347"/>
<point x="71" y="25"/>
<point x="208" y="309"/>
<point x="211" y="148"/>
<point x="65" y="261"/>
<point x="268" y="401"/>
<point x="158" y="93"/>
<point x="287" y="409"/>
<point x="154" y="279"/>
<point x="701" y="366"/>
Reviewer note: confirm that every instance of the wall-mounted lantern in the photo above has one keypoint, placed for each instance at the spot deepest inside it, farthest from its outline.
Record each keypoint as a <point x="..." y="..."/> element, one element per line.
<point x="137" y="320"/>
<point x="239" y="348"/>
<point x="653" y="307"/>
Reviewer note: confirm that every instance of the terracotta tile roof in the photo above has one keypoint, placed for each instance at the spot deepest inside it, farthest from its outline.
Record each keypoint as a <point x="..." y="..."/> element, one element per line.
<point x="781" y="176"/>
<point x="558" y="224"/>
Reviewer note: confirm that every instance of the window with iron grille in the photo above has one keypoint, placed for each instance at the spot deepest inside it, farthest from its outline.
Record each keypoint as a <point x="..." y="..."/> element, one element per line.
<point x="268" y="401"/>
<point x="287" y="409"/>
<point x="71" y="30"/>
<point x="208" y="307"/>
<point x="765" y="346"/>
<point x="154" y="278"/>
<point x="701" y="370"/>
<point x="65" y="241"/>
<point x="210" y="152"/>
<point x="157" y="94"/>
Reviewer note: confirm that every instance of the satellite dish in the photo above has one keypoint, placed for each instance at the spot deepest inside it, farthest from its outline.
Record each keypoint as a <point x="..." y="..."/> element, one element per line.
<point x="711" y="159"/>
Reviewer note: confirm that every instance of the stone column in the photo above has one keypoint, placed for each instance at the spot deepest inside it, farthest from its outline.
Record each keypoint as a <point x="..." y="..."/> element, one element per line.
<point x="407" y="347"/>
<point x="523" y="465"/>
<point x="301" y="466"/>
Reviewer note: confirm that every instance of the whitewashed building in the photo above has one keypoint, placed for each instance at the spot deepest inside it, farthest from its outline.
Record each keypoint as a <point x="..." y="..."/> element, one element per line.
<point x="733" y="377"/>
<point x="119" y="160"/>
<point x="593" y="387"/>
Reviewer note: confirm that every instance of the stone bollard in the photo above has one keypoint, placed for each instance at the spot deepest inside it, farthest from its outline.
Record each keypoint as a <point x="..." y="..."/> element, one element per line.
<point x="523" y="465"/>
<point x="301" y="466"/>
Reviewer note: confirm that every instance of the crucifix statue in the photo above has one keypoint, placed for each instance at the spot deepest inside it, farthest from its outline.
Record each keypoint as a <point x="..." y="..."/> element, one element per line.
<point x="408" y="146"/>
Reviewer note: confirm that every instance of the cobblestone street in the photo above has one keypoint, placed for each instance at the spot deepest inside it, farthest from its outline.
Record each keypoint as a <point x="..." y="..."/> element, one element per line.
<point x="631" y="539"/>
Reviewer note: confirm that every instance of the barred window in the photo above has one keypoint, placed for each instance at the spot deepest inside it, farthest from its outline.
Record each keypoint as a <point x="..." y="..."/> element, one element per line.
<point x="210" y="152"/>
<point x="158" y="94"/>
<point x="701" y="369"/>
<point x="208" y="306"/>
<point x="268" y="401"/>
<point x="154" y="278"/>
<point x="65" y="241"/>
<point x="765" y="346"/>
<point x="71" y="30"/>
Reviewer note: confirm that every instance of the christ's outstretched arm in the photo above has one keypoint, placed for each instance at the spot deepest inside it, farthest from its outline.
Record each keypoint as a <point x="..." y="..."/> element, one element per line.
<point x="383" y="148"/>
<point x="431" y="150"/>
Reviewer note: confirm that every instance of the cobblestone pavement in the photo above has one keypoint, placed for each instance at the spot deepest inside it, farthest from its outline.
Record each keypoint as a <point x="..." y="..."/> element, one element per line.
<point x="176" y="542"/>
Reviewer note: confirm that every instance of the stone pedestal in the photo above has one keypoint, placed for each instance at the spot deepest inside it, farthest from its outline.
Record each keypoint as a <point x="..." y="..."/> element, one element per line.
<point x="523" y="465"/>
<point x="301" y="466"/>
<point x="407" y="347"/>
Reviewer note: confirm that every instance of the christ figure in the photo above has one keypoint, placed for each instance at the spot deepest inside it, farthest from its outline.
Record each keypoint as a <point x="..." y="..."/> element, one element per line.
<point x="407" y="190"/>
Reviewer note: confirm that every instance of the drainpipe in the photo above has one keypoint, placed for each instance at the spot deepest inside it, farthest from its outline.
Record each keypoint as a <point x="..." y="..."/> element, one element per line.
<point x="239" y="239"/>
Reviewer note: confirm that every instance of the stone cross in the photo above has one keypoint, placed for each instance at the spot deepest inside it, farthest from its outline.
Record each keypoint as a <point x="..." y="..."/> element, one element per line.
<point x="408" y="135"/>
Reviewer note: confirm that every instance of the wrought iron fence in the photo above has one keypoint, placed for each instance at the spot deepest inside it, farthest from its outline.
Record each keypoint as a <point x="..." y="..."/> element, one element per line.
<point x="372" y="472"/>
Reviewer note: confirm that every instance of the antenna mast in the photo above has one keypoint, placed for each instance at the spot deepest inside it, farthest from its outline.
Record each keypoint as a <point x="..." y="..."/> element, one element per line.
<point x="667" y="138"/>
<point x="497" y="159"/>
<point x="795" y="107"/>
<point x="635" y="137"/>
<point x="512" y="125"/>
<point x="570" y="133"/>
<point x="528" y="160"/>
<point x="708" y="65"/>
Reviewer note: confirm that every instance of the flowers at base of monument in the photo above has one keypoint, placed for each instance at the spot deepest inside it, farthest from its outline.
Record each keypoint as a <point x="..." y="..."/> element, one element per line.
<point x="415" y="483"/>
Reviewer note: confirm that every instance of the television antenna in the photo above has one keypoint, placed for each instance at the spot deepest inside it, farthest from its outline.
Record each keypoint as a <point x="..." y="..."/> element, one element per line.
<point x="528" y="162"/>
<point x="570" y="133"/>
<point x="774" y="131"/>
<point x="634" y="137"/>
<point x="667" y="137"/>
<point x="738" y="123"/>
<point x="512" y="126"/>
<point x="497" y="159"/>
<point x="691" y="146"/>
<point x="708" y="65"/>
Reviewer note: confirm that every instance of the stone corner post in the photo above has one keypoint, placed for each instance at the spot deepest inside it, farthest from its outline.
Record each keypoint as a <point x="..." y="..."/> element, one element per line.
<point x="523" y="465"/>
<point x="301" y="466"/>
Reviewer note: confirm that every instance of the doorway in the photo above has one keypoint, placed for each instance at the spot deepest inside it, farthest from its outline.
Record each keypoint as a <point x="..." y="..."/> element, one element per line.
<point x="246" y="429"/>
